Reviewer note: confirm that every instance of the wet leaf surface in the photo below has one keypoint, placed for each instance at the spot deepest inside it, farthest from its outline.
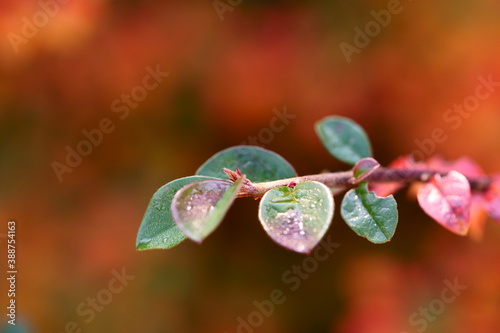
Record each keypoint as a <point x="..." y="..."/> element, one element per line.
<point x="158" y="229"/>
<point x="198" y="208"/>
<point x="297" y="218"/>
<point x="368" y="215"/>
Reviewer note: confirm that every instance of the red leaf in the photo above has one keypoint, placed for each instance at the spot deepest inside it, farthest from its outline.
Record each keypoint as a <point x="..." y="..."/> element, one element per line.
<point x="447" y="200"/>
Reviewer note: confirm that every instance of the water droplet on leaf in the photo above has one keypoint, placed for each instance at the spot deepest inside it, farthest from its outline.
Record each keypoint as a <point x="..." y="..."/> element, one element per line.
<point x="308" y="213"/>
<point x="199" y="207"/>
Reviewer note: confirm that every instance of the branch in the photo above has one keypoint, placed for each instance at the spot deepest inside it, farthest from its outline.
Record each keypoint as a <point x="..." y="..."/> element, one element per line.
<point x="344" y="180"/>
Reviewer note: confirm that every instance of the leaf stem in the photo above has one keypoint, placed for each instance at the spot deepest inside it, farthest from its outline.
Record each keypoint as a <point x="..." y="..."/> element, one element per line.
<point x="343" y="180"/>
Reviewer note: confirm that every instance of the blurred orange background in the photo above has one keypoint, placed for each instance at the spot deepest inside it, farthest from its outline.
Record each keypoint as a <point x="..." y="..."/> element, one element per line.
<point x="229" y="72"/>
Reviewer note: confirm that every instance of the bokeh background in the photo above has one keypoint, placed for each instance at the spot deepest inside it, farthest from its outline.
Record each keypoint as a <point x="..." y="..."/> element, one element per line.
<point x="225" y="79"/>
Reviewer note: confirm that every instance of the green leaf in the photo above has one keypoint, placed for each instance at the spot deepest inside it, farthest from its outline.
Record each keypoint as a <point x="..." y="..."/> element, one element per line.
<point x="297" y="218"/>
<point x="158" y="229"/>
<point x="198" y="208"/>
<point x="344" y="139"/>
<point x="258" y="164"/>
<point x="368" y="215"/>
<point x="363" y="168"/>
